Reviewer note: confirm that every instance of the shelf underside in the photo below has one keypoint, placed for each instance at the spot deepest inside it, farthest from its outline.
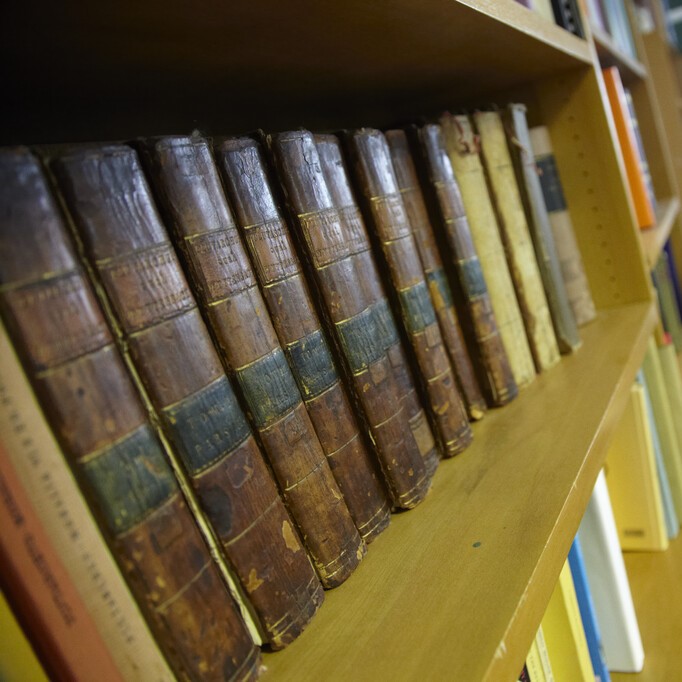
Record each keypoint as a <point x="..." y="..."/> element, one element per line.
<point x="455" y="588"/>
<point x="93" y="71"/>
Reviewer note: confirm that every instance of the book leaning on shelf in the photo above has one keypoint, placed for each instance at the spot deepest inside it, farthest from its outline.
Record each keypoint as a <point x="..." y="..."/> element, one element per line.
<point x="92" y="405"/>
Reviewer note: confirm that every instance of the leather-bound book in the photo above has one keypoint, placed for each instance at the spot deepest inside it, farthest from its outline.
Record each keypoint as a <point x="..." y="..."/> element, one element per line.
<point x="338" y="183"/>
<point x="565" y="327"/>
<point x="463" y="149"/>
<point x="469" y="286"/>
<point x="352" y="316"/>
<point x="83" y="385"/>
<point x="184" y="379"/>
<point x="570" y="260"/>
<point x="127" y="244"/>
<point x="391" y="226"/>
<point x="439" y="288"/>
<point x="298" y="327"/>
<point x="518" y="246"/>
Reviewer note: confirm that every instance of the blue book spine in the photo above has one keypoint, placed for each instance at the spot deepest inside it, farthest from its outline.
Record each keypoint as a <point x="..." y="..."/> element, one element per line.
<point x="674" y="277"/>
<point x="587" y="613"/>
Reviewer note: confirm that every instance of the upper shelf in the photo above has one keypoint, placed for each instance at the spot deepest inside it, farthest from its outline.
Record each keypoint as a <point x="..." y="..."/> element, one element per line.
<point x="631" y="70"/>
<point x="458" y="586"/>
<point x="87" y="70"/>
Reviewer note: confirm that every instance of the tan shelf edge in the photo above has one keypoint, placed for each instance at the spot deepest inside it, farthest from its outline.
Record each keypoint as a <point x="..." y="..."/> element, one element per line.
<point x="456" y="588"/>
<point x="655" y="238"/>
<point x="610" y="55"/>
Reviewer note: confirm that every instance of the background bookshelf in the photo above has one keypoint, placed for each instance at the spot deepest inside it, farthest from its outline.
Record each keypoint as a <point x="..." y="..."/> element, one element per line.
<point x="459" y="586"/>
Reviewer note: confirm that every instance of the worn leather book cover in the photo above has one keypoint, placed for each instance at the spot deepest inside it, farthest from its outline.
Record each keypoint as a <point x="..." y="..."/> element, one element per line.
<point x="570" y="260"/>
<point x="182" y="374"/>
<point x="194" y="206"/>
<point x="439" y="288"/>
<point x="516" y="239"/>
<point x="392" y="231"/>
<point x="470" y="289"/>
<point x="337" y="180"/>
<point x="565" y="326"/>
<point x="289" y="300"/>
<point x="352" y="314"/>
<point x="463" y="149"/>
<point x="83" y="385"/>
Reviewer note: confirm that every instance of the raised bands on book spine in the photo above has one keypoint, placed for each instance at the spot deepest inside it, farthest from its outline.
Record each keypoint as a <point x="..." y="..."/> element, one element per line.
<point x="480" y="325"/>
<point x="298" y="327"/>
<point x="432" y="263"/>
<point x="353" y="317"/>
<point x="391" y="226"/>
<point x="91" y="403"/>
<point x="194" y="204"/>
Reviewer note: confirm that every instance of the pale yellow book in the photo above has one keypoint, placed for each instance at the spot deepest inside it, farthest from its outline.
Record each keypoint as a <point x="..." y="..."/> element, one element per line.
<point x="632" y="479"/>
<point x="516" y="239"/>
<point x="537" y="661"/>
<point x="673" y="385"/>
<point x="564" y="634"/>
<point x="665" y="422"/>
<point x="541" y="645"/>
<point x="64" y="514"/>
<point x="462" y="148"/>
<point x="544" y="9"/>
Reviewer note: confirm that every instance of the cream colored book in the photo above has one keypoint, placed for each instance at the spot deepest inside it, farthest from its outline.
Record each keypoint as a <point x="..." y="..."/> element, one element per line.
<point x="462" y="149"/>
<point x="665" y="422"/>
<point x="564" y="634"/>
<point x="544" y="9"/>
<point x="516" y="238"/>
<point x="537" y="661"/>
<point x="632" y="479"/>
<point x="673" y="385"/>
<point x="68" y="522"/>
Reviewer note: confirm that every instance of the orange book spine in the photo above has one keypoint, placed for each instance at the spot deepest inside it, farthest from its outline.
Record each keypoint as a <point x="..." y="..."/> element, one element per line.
<point x="41" y="593"/>
<point x="628" y="145"/>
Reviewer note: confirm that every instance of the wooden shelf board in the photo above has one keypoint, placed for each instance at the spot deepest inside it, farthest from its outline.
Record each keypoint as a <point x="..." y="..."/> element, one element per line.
<point x="656" y="584"/>
<point x="654" y="239"/>
<point x="455" y="589"/>
<point x="611" y="55"/>
<point x="166" y="66"/>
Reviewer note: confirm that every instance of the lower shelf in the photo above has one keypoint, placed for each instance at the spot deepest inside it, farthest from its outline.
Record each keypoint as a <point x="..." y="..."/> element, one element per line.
<point x="656" y="583"/>
<point x="455" y="589"/>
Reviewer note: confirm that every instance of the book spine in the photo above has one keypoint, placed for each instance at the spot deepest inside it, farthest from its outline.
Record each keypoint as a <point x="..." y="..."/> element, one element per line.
<point x="353" y="317"/>
<point x="666" y="298"/>
<point x="43" y="595"/>
<point x="286" y="292"/>
<point x="646" y="171"/>
<point x="186" y="385"/>
<point x="68" y="523"/>
<point x="518" y="246"/>
<point x="85" y="390"/>
<point x="392" y="229"/>
<point x="439" y="288"/>
<point x="198" y="216"/>
<point x="338" y="185"/>
<point x="489" y="354"/>
<point x="563" y="319"/>
<point x="462" y="148"/>
<point x="570" y="260"/>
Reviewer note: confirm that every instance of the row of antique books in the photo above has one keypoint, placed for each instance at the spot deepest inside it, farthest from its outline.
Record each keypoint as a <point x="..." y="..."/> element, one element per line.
<point x="250" y="351"/>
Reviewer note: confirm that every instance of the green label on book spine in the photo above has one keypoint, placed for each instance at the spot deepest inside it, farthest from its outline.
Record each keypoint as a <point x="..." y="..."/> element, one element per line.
<point x="313" y="366"/>
<point x="361" y="340"/>
<point x="417" y="308"/>
<point x="437" y="280"/>
<point x="385" y="324"/>
<point x="473" y="280"/>
<point x="206" y="426"/>
<point x="269" y="387"/>
<point x="131" y="478"/>
<point x="550" y="183"/>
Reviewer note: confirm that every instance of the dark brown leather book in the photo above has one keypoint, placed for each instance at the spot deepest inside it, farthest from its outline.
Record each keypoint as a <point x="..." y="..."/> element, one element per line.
<point x="390" y="224"/>
<point x="338" y="182"/>
<point x="439" y="288"/>
<point x="471" y="293"/>
<point x="353" y="315"/>
<point x="185" y="382"/>
<point x="298" y="327"/>
<point x="191" y="198"/>
<point x="94" y="409"/>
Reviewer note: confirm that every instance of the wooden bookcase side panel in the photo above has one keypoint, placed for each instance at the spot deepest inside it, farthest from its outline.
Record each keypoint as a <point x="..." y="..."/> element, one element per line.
<point x="592" y="172"/>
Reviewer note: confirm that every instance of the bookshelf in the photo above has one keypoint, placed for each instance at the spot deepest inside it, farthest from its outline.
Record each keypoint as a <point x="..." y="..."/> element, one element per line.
<point x="457" y="587"/>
